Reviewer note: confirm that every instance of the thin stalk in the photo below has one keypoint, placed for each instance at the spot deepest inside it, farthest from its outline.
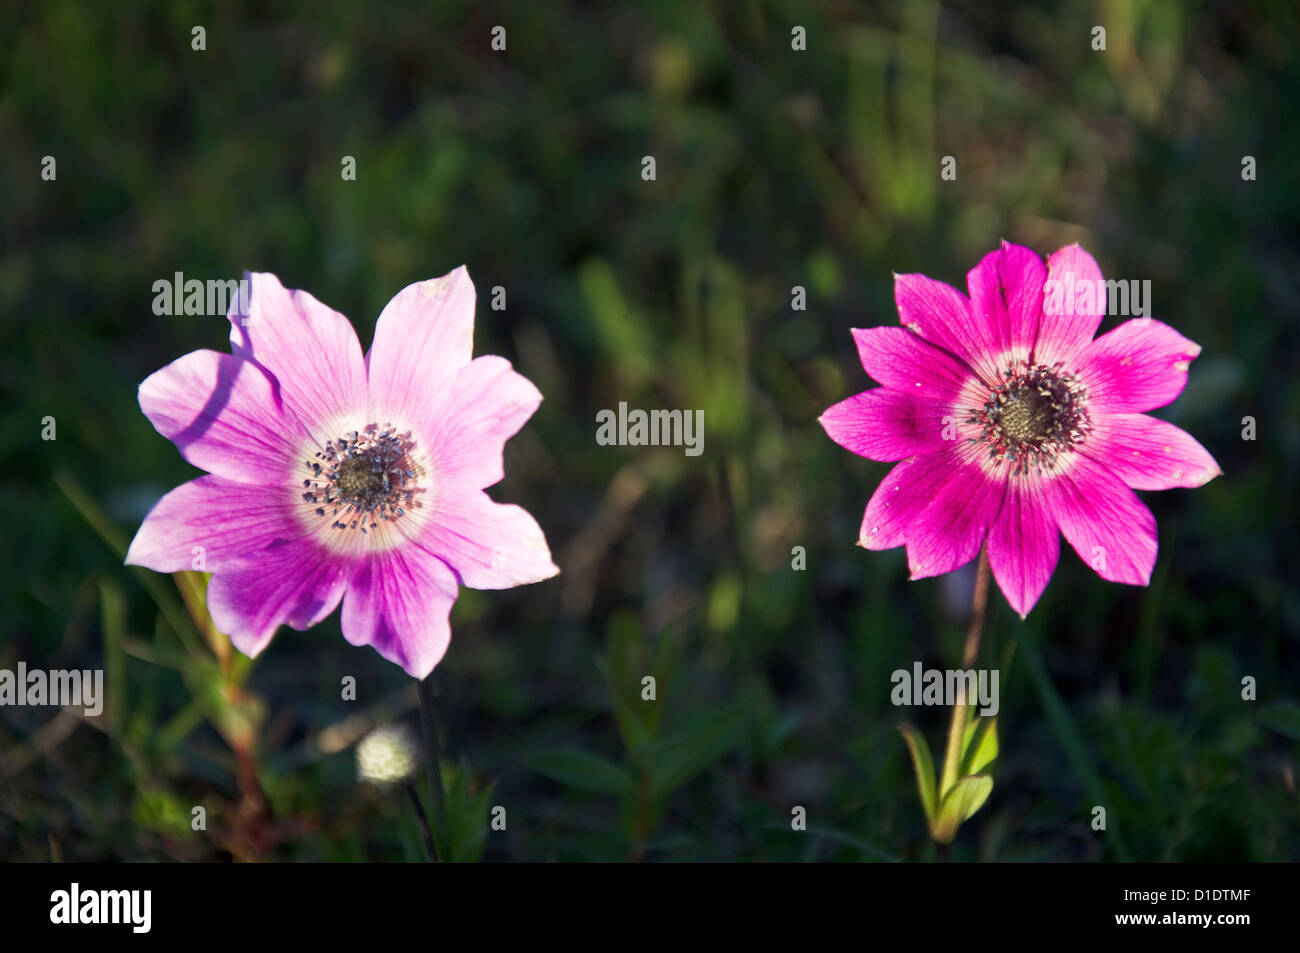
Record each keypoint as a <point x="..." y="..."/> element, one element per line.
<point x="433" y="758"/>
<point x="961" y="711"/>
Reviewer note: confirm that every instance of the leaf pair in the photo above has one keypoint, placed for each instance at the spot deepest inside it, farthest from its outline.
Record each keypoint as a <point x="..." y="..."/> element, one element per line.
<point x="947" y="808"/>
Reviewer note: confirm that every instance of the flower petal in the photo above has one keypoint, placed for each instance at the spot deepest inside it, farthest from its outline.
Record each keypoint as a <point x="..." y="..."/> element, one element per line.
<point x="1149" y="454"/>
<point x="949" y="531"/>
<point x="1024" y="543"/>
<point x="1006" y="296"/>
<point x="902" y="495"/>
<point x="294" y="582"/>
<point x="902" y="359"/>
<point x="886" y="424"/>
<point x="310" y="349"/>
<point x="222" y="413"/>
<point x="488" y="403"/>
<point x="490" y="545"/>
<point x="213" y="518"/>
<point x="942" y="315"/>
<point x="424" y="336"/>
<point x="1140" y="365"/>
<point x="398" y="602"/>
<point x="1074" y="300"/>
<point x="1109" y="527"/>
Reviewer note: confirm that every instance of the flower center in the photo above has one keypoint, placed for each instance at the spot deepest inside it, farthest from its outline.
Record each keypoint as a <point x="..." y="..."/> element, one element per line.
<point x="362" y="478"/>
<point x="1034" y="415"/>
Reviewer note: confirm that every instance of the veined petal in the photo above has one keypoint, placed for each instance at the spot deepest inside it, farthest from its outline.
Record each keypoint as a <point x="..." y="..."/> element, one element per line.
<point x="295" y="582"/>
<point x="222" y="413"/>
<point x="886" y="424"/>
<point x="424" y="336"/>
<point x="216" y="519"/>
<point x="949" y="531"/>
<point x="490" y="545"/>
<point x="943" y="316"/>
<point x="1074" y="301"/>
<point x="902" y="495"/>
<point x="398" y="602"/>
<point x="1139" y="366"/>
<point x="1006" y="296"/>
<point x="903" y="360"/>
<point x="310" y="350"/>
<point x="1149" y="454"/>
<point x="488" y="403"/>
<point x="1024" y="543"/>
<point x="1109" y="527"/>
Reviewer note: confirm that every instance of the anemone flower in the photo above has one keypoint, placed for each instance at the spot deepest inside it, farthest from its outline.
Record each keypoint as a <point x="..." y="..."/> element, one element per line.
<point x="336" y="477"/>
<point x="1012" y="423"/>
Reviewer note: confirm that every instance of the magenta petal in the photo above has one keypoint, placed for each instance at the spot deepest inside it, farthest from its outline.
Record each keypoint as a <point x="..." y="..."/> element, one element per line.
<point x="1149" y="454"/>
<point x="213" y="521"/>
<point x="905" y="361"/>
<point x="1024" y="543"/>
<point x="424" y="336"/>
<point x="1006" y="296"/>
<point x="902" y="495"/>
<point x="310" y="349"/>
<point x="949" y="531"/>
<point x="490" y="545"/>
<point x="223" y="416"/>
<point x="1140" y="365"/>
<point x="942" y="315"/>
<point x="294" y="582"/>
<point x="1074" y="301"/>
<point x="488" y="403"/>
<point x="399" y="602"/>
<point x="885" y="424"/>
<point x="1108" y="526"/>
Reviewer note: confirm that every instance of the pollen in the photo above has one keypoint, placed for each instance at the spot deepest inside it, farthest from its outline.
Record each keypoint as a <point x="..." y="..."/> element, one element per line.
<point x="363" y="478"/>
<point x="1034" y="415"/>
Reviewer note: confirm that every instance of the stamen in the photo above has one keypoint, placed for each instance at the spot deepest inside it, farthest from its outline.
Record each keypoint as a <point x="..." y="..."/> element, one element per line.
<point x="1034" y="415"/>
<point x="365" y="477"/>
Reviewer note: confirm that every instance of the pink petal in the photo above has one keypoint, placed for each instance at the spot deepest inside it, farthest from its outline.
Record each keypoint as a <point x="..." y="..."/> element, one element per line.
<point x="949" y="531"/>
<point x="294" y="582"/>
<point x="488" y="403"/>
<point x="424" y="336"/>
<point x="1140" y="365"/>
<point x="1108" y="526"/>
<point x="226" y="521"/>
<point x="905" y="361"/>
<point x="1006" y="296"/>
<point x="223" y="416"/>
<point x="942" y="315"/>
<point x="1024" y="543"/>
<point x="885" y="424"/>
<point x="1149" y="454"/>
<point x="398" y="602"/>
<point x="902" y="495"/>
<point x="490" y="545"/>
<point x="1068" y="324"/>
<point x="311" y="350"/>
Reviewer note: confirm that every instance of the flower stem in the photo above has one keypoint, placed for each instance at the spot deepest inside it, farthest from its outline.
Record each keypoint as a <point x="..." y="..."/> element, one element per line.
<point x="430" y="847"/>
<point x="433" y="760"/>
<point x="961" y="711"/>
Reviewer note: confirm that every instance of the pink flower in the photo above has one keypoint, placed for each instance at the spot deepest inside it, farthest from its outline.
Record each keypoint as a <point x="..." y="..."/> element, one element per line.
<point x="337" y="477"/>
<point x="1012" y="423"/>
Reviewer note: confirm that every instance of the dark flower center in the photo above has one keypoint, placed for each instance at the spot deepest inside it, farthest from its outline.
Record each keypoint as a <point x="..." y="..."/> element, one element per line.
<point x="1035" y="414"/>
<point x="362" y="478"/>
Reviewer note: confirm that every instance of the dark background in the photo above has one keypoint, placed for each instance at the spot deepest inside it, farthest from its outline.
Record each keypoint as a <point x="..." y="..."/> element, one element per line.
<point x="775" y="168"/>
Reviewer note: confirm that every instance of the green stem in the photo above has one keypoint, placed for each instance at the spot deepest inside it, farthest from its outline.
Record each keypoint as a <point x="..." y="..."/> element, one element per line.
<point x="433" y="760"/>
<point x="961" y="711"/>
<point x="1068" y="734"/>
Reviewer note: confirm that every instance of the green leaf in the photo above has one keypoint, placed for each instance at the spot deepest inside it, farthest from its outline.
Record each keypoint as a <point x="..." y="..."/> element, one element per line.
<point x="923" y="766"/>
<point x="683" y="755"/>
<point x="1282" y="717"/>
<point x="583" y="770"/>
<point x="964" y="798"/>
<point x="981" y="745"/>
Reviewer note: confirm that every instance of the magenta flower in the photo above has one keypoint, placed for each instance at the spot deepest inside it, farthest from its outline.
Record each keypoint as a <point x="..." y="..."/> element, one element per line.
<point x="337" y="477"/>
<point x="1012" y="423"/>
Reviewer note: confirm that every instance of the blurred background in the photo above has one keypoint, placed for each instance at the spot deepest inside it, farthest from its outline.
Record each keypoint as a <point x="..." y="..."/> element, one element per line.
<point x="774" y="168"/>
